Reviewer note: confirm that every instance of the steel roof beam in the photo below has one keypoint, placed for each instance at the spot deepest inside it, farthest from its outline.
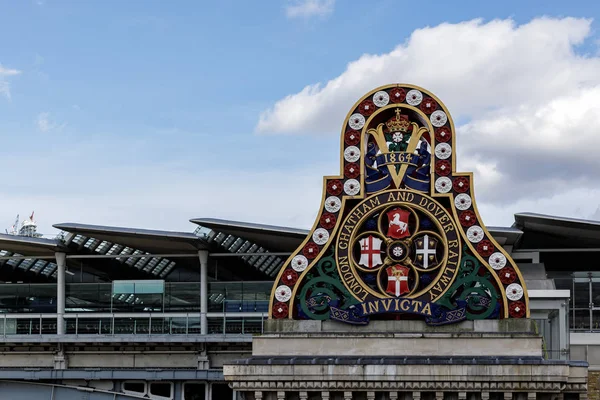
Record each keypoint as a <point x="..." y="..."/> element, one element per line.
<point x="182" y="255"/>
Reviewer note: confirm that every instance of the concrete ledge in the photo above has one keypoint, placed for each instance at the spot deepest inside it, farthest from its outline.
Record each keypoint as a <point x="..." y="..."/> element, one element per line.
<point x="396" y="373"/>
<point x="402" y="345"/>
<point x="110" y="374"/>
<point x="500" y="326"/>
<point x="585" y="339"/>
<point x="415" y="360"/>
<point x="169" y="339"/>
<point x="400" y="335"/>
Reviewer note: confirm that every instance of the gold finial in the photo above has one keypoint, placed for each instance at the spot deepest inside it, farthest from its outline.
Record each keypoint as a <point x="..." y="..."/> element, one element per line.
<point x="398" y="114"/>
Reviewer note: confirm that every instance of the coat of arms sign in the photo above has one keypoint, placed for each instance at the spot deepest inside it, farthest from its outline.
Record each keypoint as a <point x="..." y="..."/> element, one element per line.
<point x="398" y="234"/>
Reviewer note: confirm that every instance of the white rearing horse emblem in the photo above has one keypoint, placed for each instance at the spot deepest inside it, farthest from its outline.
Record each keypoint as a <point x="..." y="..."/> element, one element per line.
<point x="396" y="221"/>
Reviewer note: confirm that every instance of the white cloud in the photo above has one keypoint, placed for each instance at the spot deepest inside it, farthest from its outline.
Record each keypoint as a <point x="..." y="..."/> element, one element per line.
<point x="565" y="203"/>
<point x="4" y="85"/>
<point x="8" y="71"/>
<point x="472" y="66"/>
<point x="43" y="123"/>
<point x="309" y="8"/>
<point x="527" y="100"/>
<point x="535" y="150"/>
<point x="5" y="89"/>
<point x="46" y="124"/>
<point x="163" y="196"/>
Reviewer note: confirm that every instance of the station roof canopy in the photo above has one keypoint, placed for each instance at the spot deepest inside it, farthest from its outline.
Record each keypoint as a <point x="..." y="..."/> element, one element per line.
<point x="284" y="239"/>
<point x="274" y="238"/>
<point x="29" y="245"/>
<point x="40" y="267"/>
<point x="130" y="253"/>
<point x="506" y="236"/>
<point x="543" y="231"/>
<point x="151" y="241"/>
<point x="250" y="250"/>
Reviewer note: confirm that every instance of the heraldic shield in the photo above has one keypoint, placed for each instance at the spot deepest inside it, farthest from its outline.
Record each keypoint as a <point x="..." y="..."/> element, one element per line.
<point x="398" y="223"/>
<point x="370" y="252"/>
<point x="397" y="280"/>
<point x="398" y="232"/>
<point x="426" y="251"/>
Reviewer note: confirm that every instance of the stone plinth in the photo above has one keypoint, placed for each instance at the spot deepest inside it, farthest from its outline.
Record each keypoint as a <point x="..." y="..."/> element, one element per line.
<point x="398" y="345"/>
<point x="279" y="326"/>
<point x="398" y="339"/>
<point x="403" y="358"/>
<point x="407" y="374"/>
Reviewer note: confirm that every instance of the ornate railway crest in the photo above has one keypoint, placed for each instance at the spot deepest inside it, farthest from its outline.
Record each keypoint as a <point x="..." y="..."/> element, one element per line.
<point x="398" y="234"/>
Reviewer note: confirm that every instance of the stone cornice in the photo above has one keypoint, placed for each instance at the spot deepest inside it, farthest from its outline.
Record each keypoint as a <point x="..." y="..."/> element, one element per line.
<point x="552" y="387"/>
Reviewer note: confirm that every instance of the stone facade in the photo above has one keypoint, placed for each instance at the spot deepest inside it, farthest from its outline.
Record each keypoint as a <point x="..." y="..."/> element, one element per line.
<point x="475" y="360"/>
<point x="594" y="385"/>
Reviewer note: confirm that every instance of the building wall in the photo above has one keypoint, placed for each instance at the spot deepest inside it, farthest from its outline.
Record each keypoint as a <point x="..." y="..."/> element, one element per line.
<point x="109" y="390"/>
<point x="32" y="391"/>
<point x="594" y="385"/>
<point x="91" y="359"/>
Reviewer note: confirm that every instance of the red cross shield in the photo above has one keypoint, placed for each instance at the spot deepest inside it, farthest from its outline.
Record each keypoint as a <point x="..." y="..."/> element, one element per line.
<point x="370" y="252"/>
<point x="398" y="223"/>
<point x="397" y="280"/>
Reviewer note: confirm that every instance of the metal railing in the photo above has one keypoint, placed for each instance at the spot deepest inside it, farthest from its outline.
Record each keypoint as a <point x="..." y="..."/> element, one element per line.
<point x="132" y="323"/>
<point x="100" y="297"/>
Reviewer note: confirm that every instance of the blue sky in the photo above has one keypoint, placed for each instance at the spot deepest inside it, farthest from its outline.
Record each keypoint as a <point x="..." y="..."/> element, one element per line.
<point x="146" y="113"/>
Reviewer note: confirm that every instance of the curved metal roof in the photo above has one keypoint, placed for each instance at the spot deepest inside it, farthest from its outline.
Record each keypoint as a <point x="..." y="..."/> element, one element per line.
<point x="280" y="238"/>
<point x="568" y="232"/>
<point x="30" y="245"/>
<point x="274" y="238"/>
<point x="152" y="241"/>
<point x="146" y="252"/>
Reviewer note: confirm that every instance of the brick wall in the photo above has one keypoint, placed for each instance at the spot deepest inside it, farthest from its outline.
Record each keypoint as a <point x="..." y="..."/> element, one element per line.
<point x="594" y="385"/>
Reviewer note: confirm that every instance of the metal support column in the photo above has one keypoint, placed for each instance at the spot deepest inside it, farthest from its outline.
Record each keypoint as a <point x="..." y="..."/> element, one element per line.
<point x="203" y="256"/>
<point x="563" y="329"/>
<point x="61" y="262"/>
<point x="208" y="391"/>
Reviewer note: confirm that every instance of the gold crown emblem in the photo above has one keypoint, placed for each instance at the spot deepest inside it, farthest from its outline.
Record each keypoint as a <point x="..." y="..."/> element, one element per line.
<point x="398" y="124"/>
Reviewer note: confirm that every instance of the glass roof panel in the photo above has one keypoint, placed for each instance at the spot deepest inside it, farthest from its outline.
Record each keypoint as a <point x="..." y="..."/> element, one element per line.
<point x="168" y="269"/>
<point x="38" y="266"/>
<point x="79" y="239"/>
<point x="26" y="264"/>
<point x="103" y="247"/>
<point x="13" y="263"/>
<point x="91" y="243"/>
<point x="115" y="249"/>
<point x="49" y="269"/>
<point x="151" y="264"/>
<point x="141" y="262"/>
